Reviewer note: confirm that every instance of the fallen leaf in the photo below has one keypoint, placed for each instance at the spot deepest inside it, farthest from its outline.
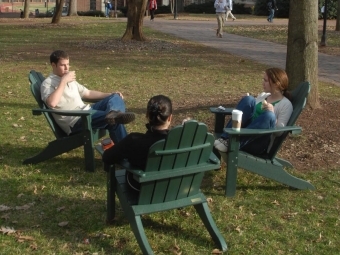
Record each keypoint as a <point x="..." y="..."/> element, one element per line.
<point x="26" y="238"/>
<point x="4" y="208"/>
<point x="209" y="200"/>
<point x="5" y="216"/>
<point x="34" y="247"/>
<point x="62" y="224"/>
<point x="60" y="208"/>
<point x="275" y="202"/>
<point x="7" y="230"/>
<point x="216" y="251"/>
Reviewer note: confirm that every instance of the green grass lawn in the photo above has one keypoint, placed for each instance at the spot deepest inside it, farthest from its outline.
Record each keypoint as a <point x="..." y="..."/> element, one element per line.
<point x="56" y="208"/>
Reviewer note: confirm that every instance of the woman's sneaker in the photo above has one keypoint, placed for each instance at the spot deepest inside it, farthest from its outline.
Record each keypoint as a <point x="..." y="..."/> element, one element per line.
<point x="221" y="144"/>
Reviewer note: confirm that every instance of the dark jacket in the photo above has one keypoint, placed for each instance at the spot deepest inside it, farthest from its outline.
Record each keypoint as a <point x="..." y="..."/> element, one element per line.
<point x="134" y="147"/>
<point x="273" y="2"/>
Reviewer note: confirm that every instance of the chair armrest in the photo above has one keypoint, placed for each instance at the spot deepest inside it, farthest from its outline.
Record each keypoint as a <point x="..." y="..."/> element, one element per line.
<point x="142" y="176"/>
<point x="220" y="118"/>
<point x="65" y="113"/>
<point x="226" y="111"/>
<point x="246" y="131"/>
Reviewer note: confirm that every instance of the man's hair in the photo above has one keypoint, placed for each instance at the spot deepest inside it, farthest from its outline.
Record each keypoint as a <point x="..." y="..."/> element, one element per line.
<point x="58" y="54"/>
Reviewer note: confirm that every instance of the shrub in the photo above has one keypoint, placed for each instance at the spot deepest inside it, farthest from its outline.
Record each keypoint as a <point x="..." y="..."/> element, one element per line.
<point x="331" y="9"/>
<point x="260" y="8"/>
<point x="207" y="7"/>
<point x="92" y="13"/>
<point x="163" y="9"/>
<point x="241" y="9"/>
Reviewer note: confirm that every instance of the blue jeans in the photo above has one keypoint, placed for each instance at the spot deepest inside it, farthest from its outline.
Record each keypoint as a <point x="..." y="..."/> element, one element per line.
<point x="113" y="102"/>
<point x="271" y="15"/>
<point x="267" y="120"/>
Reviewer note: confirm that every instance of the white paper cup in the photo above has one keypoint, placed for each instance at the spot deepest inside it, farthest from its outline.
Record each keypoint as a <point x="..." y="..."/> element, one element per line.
<point x="236" y="117"/>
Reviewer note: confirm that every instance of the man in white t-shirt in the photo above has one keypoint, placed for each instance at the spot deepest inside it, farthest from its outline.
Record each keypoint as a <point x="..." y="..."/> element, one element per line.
<point x="61" y="91"/>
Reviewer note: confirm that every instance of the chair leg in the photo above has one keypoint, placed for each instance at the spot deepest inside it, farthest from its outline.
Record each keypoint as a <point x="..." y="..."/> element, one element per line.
<point x="277" y="173"/>
<point x="53" y="149"/>
<point x="205" y="215"/>
<point x="111" y="192"/>
<point x="138" y="230"/>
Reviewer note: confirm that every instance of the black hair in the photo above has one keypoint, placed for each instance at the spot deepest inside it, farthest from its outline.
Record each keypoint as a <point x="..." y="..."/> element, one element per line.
<point x="56" y="55"/>
<point x="158" y="110"/>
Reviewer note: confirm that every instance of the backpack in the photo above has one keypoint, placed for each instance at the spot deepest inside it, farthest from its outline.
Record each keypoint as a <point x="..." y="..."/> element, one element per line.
<point x="269" y="5"/>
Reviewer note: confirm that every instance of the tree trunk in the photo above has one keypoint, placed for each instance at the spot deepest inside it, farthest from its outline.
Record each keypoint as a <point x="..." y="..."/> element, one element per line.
<point x="58" y="10"/>
<point x="26" y="9"/>
<point x="72" y="11"/>
<point x="135" y="15"/>
<point x="302" y="47"/>
<point x="337" y="27"/>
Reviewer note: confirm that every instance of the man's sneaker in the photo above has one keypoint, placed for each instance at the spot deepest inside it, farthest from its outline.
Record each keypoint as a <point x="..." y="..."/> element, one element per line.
<point x="117" y="117"/>
<point x="221" y="144"/>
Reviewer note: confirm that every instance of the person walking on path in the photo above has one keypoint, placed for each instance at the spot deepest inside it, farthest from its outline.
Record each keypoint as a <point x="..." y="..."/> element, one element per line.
<point x="229" y="9"/>
<point x="221" y="7"/>
<point x="152" y="8"/>
<point x="271" y="5"/>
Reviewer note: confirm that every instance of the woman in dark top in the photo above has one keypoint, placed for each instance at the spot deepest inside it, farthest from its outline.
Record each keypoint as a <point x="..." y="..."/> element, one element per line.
<point x="135" y="146"/>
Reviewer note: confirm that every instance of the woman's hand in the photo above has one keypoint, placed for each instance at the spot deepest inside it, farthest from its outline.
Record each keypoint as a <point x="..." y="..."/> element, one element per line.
<point x="267" y="106"/>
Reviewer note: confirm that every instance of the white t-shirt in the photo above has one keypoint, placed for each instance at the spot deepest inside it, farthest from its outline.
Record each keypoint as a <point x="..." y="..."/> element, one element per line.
<point x="70" y="100"/>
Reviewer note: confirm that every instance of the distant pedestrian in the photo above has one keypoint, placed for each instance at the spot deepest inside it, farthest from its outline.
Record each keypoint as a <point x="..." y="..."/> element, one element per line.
<point x="323" y="11"/>
<point x="21" y="14"/>
<point x="229" y="9"/>
<point x="221" y="8"/>
<point x="271" y="5"/>
<point x="36" y="12"/>
<point x="152" y="8"/>
<point x="107" y="8"/>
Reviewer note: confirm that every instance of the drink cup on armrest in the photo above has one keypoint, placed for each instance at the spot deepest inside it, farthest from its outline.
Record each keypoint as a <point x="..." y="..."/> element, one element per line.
<point x="236" y="117"/>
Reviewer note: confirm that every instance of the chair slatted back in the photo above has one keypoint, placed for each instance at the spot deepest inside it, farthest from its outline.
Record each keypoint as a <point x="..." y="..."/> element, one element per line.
<point x="36" y="80"/>
<point x="186" y="147"/>
<point x="299" y="99"/>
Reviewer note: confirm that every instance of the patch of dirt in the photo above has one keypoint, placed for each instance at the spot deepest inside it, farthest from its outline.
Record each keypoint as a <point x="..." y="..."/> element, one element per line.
<point x="319" y="144"/>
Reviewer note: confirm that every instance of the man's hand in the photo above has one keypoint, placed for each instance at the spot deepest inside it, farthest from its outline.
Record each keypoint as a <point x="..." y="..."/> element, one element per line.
<point x="69" y="77"/>
<point x="120" y="94"/>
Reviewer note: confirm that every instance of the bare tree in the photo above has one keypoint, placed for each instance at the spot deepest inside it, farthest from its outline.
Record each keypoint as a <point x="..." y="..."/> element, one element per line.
<point x="302" y="47"/>
<point x="27" y="9"/>
<point x="58" y="10"/>
<point x="72" y="10"/>
<point x="135" y="15"/>
<point x="337" y="27"/>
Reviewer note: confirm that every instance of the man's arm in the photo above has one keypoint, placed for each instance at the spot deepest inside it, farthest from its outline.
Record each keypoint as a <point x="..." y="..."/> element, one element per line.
<point x="97" y="95"/>
<point x="53" y="99"/>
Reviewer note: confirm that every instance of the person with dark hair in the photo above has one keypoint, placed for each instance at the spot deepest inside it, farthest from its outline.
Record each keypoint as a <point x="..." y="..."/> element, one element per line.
<point x="135" y="146"/>
<point x="21" y="14"/>
<point x="152" y="8"/>
<point x="272" y="108"/>
<point x="271" y="6"/>
<point x="61" y="91"/>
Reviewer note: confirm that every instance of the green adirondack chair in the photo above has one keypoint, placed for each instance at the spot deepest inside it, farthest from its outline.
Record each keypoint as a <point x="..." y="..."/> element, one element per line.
<point x="267" y="165"/>
<point x="171" y="179"/>
<point x="64" y="143"/>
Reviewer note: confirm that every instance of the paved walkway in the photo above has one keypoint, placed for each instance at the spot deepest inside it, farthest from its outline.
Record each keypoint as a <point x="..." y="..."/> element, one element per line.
<point x="204" y="32"/>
